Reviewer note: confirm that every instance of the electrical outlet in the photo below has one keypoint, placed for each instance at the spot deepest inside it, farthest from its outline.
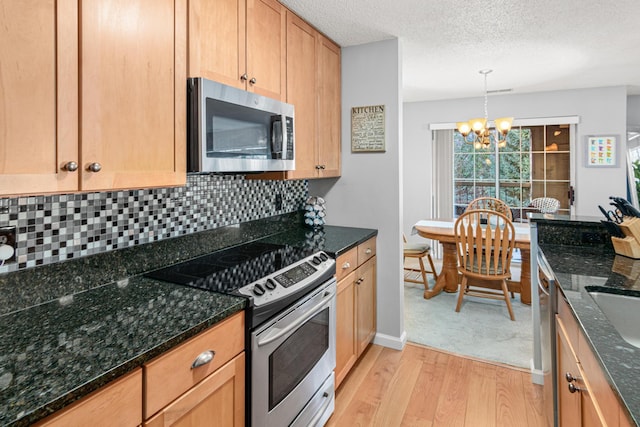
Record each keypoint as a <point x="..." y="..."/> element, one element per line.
<point x="8" y="238"/>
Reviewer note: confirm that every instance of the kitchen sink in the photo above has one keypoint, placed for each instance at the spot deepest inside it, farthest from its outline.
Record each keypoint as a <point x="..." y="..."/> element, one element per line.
<point x="623" y="311"/>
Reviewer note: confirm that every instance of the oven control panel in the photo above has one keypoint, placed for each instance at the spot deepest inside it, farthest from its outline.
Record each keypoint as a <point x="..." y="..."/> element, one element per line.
<point x="290" y="280"/>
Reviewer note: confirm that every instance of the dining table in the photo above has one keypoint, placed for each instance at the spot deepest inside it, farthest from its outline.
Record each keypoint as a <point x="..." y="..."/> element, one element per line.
<point x="449" y="278"/>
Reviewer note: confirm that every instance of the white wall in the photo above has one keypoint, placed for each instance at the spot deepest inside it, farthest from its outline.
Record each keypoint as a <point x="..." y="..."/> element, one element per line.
<point x="369" y="192"/>
<point x="633" y="112"/>
<point x="600" y="110"/>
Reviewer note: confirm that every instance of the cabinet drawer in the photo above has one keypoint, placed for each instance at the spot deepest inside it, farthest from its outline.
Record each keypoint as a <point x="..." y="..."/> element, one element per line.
<point x="116" y="404"/>
<point x="171" y="374"/>
<point x="366" y="250"/>
<point x="346" y="263"/>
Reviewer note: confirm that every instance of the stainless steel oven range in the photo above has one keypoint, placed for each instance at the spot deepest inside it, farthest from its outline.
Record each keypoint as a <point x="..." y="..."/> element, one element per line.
<point x="291" y="330"/>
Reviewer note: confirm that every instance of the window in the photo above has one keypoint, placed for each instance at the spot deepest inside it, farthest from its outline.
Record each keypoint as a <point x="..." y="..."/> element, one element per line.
<point x="534" y="162"/>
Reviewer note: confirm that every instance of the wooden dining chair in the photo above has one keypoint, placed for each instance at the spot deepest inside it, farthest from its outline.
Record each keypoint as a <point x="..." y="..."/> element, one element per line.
<point x="491" y="203"/>
<point x="484" y="251"/>
<point x="419" y="251"/>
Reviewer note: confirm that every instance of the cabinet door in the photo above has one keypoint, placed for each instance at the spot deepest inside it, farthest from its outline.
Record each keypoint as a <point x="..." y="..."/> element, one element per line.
<point x="217" y="41"/>
<point x="117" y="404"/>
<point x="329" y="100"/>
<point x="346" y="347"/>
<point x="569" y="404"/>
<point x="301" y="69"/>
<point x="366" y="303"/>
<point x="133" y="93"/>
<point x="266" y="48"/>
<point x="218" y="400"/>
<point x="38" y="95"/>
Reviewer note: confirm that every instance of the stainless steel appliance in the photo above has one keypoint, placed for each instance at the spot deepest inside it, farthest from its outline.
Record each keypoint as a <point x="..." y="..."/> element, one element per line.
<point x="232" y="130"/>
<point x="547" y="295"/>
<point x="291" y="329"/>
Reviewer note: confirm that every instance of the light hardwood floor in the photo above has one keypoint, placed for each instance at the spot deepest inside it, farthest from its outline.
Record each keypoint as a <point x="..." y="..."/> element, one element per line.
<point x="420" y="386"/>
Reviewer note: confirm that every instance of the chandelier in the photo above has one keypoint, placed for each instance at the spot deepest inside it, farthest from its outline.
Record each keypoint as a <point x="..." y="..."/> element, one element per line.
<point x="477" y="131"/>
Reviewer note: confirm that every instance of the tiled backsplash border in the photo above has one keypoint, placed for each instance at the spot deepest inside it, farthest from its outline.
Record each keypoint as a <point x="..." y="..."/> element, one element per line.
<point x="58" y="227"/>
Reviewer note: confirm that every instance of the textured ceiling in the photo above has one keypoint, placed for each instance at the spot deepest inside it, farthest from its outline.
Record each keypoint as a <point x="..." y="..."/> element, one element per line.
<point x="532" y="46"/>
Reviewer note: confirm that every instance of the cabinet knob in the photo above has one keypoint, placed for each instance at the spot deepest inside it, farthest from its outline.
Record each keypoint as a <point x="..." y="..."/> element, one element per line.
<point x="203" y="358"/>
<point x="569" y="377"/>
<point x="346" y="265"/>
<point x="573" y="388"/>
<point x="70" y="166"/>
<point x="94" y="167"/>
<point x="253" y="80"/>
<point x="244" y="77"/>
<point x="368" y="251"/>
<point x="323" y="167"/>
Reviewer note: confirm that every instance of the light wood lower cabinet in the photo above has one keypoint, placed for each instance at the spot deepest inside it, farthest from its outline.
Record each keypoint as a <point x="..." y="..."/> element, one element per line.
<point x="178" y="392"/>
<point x="585" y="397"/>
<point x="355" y="305"/>
<point x="116" y="404"/>
<point x="218" y="400"/>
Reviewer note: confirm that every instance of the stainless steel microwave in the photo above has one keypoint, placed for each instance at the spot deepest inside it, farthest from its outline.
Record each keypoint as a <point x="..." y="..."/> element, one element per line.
<point x="232" y="130"/>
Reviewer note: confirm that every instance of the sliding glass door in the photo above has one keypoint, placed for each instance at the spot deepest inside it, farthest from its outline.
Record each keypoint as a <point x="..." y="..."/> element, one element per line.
<point x="533" y="162"/>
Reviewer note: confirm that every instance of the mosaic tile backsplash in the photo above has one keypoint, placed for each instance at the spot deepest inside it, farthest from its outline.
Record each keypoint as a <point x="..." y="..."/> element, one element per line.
<point x="58" y="227"/>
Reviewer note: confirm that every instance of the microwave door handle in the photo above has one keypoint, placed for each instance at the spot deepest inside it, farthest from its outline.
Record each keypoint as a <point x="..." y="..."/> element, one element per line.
<point x="277" y="136"/>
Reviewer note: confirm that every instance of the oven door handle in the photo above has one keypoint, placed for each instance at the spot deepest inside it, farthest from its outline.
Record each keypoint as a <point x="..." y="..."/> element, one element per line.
<point x="293" y="325"/>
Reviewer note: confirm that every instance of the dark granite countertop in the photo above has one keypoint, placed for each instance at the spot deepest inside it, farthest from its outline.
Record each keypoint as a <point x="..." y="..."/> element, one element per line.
<point x="580" y="267"/>
<point x="72" y="327"/>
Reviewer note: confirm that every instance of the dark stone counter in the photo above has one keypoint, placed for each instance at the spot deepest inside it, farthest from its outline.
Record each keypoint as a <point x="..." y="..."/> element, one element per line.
<point x="70" y="328"/>
<point x="580" y="265"/>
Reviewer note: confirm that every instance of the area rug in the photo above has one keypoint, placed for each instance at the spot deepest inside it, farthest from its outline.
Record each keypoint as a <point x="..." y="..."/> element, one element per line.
<point x="482" y="329"/>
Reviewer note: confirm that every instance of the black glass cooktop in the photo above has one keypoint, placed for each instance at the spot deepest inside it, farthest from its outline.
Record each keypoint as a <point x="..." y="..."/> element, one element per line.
<point x="230" y="269"/>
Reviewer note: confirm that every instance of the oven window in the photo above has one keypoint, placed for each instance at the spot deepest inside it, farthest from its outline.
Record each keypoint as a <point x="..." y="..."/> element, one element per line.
<point x="293" y="359"/>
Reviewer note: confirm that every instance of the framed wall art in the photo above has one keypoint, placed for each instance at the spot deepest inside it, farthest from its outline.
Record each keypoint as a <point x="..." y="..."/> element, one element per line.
<point x="367" y="129"/>
<point x="602" y="151"/>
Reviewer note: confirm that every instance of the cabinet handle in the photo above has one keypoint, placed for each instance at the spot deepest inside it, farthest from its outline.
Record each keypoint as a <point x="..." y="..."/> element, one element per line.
<point x="244" y="77"/>
<point x="253" y="80"/>
<point x="346" y="265"/>
<point x="569" y="377"/>
<point x="94" y="167"/>
<point x="368" y="251"/>
<point x="573" y="388"/>
<point x="70" y="166"/>
<point x="203" y="358"/>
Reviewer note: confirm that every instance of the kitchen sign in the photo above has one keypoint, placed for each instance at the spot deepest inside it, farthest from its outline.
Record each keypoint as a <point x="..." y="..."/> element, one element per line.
<point x="367" y="129"/>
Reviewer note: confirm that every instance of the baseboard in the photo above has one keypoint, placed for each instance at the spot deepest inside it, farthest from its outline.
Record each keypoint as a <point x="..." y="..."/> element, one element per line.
<point x="537" y="376"/>
<point x="396" y="343"/>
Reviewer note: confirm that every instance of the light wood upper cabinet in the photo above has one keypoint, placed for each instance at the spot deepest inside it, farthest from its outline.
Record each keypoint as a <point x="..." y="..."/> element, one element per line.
<point x="329" y="101"/>
<point x="133" y="93"/>
<point x="302" y="65"/>
<point x="121" y="109"/>
<point x="241" y="43"/>
<point x="38" y="95"/>
<point x="313" y="87"/>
